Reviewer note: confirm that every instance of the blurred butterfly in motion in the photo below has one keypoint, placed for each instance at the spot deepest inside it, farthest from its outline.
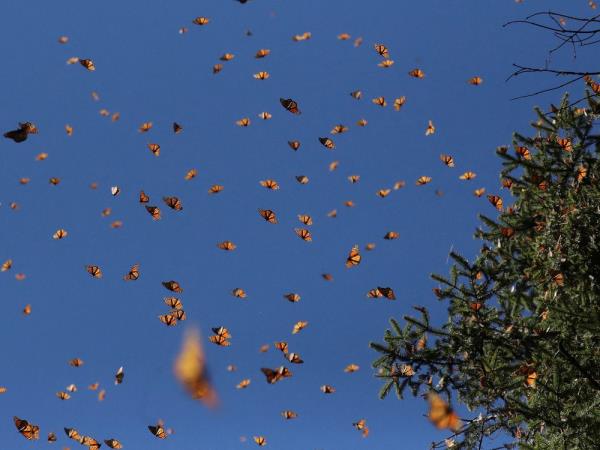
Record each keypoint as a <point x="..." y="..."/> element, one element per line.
<point x="21" y="133"/>
<point x="441" y="415"/>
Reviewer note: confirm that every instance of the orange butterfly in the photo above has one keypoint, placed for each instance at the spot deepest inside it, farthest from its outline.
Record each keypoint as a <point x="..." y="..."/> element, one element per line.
<point x="134" y="273"/>
<point x="154" y="211"/>
<point x="269" y="184"/>
<point x="294" y="145"/>
<point x="354" y="257"/>
<point x="382" y="50"/>
<point x="417" y="73"/>
<point x="327" y="143"/>
<point x="441" y="415"/>
<point x="303" y="234"/>
<point x="268" y="215"/>
<point x="94" y="271"/>
<point x="290" y="105"/>
<point x="173" y="203"/>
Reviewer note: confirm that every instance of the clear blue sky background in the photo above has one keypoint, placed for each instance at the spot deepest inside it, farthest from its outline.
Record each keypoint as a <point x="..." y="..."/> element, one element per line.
<point x="149" y="72"/>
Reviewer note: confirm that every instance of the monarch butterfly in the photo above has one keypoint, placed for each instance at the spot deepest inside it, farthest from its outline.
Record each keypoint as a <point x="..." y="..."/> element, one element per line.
<point x="101" y="395"/>
<point x="27" y="309"/>
<point x="302" y="179"/>
<point x="41" y="156"/>
<point x="143" y="197"/>
<point x="294" y="358"/>
<point x="387" y="292"/>
<point x="382" y="50"/>
<point x="173" y="203"/>
<point x="69" y="130"/>
<point x="261" y="75"/>
<point x="168" y="319"/>
<point x="417" y="73"/>
<point x="263" y="52"/>
<point x="390" y="235"/>
<point x="523" y="152"/>
<point x="24" y="180"/>
<point x="90" y="443"/>
<point x="496" y="201"/>
<point x="243" y="122"/>
<point x="63" y="395"/>
<point x="231" y="368"/>
<point x="76" y="362"/>
<point x="145" y="127"/>
<point x="113" y="443"/>
<point x="559" y="279"/>
<point x="565" y="144"/>
<point x="299" y="326"/>
<point x="441" y="415"/>
<point x="239" y="293"/>
<point x="447" y="160"/>
<point x="227" y="57"/>
<point x="327" y="276"/>
<point x="228" y="246"/>
<point x="479" y="192"/>
<point x="63" y="39"/>
<point x="265" y="115"/>
<point x="71" y="388"/>
<point x="264" y="348"/>
<point x="475" y="81"/>
<point x="88" y="64"/>
<point x="28" y="431"/>
<point x="333" y="165"/>
<point x="475" y="306"/>
<point x="54" y="181"/>
<point x="339" y="129"/>
<point x="354" y="178"/>
<point x="260" y="440"/>
<point x="356" y="94"/>
<point x="507" y="183"/>
<point x="52" y="437"/>
<point x="154" y="211"/>
<point x="288" y="414"/>
<point x="21" y="133"/>
<point x="269" y="184"/>
<point x="362" y="123"/>
<point x="268" y="215"/>
<point x="383" y="192"/>
<point x="354" y="257"/>
<point x="358" y="41"/>
<point x="327" y="143"/>
<point x="343" y="36"/>
<point x="190" y="174"/>
<point x="305" y="219"/>
<point x="399" y="103"/>
<point x="290" y="105"/>
<point x="215" y="189"/>
<point x="303" y="234"/>
<point x="119" y="375"/>
<point x="423" y="180"/>
<point x="133" y="274"/>
<point x="302" y="37"/>
<point x="380" y="101"/>
<point x="173" y="302"/>
<point x="217" y="68"/>
<point x="177" y="128"/>
<point x="351" y="368"/>
<point x="115" y="116"/>
<point x="104" y="112"/>
<point x="201" y="20"/>
<point x="361" y="425"/>
<point x="275" y="375"/>
<point x="282" y="346"/>
<point x="468" y="175"/>
<point x="374" y="293"/>
<point x="399" y="185"/>
<point x="386" y="63"/>
<point x="294" y="298"/>
<point x="60" y="234"/>
<point x="172" y="286"/>
<point x="93" y="387"/>
<point x="581" y="173"/>
<point x="294" y="145"/>
<point x="327" y="389"/>
<point x="158" y="431"/>
<point x="73" y="60"/>
<point x="3" y="390"/>
<point x="243" y="384"/>
<point x="190" y="369"/>
<point x="94" y="271"/>
<point x="72" y="433"/>
<point x="430" y="128"/>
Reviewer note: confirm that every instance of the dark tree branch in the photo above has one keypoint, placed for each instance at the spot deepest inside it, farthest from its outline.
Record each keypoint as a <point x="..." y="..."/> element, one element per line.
<point x="583" y="33"/>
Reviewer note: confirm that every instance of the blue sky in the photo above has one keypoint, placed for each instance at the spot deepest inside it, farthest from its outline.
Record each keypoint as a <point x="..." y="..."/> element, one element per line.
<point x="148" y="72"/>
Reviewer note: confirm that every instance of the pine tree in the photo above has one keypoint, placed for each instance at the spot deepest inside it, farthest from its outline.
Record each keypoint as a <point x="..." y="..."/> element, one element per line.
<point x="521" y="345"/>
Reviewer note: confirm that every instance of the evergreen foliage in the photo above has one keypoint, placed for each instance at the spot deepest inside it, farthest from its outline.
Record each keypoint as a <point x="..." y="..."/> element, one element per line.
<point x="521" y="345"/>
